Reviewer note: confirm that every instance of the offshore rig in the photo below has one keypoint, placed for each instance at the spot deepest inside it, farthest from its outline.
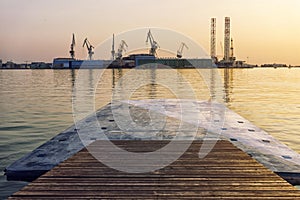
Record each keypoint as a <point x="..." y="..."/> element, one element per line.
<point x="228" y="60"/>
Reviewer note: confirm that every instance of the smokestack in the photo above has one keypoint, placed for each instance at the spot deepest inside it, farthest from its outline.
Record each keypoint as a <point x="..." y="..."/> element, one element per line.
<point x="227" y="39"/>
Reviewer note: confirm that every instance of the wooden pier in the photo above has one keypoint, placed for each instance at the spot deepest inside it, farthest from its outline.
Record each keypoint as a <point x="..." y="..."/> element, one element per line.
<point x="225" y="173"/>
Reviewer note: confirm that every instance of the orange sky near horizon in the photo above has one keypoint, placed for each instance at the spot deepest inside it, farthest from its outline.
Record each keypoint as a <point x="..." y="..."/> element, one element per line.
<point x="264" y="31"/>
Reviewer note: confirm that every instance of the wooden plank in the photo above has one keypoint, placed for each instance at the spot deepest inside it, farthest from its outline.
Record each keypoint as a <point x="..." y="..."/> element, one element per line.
<point x="226" y="173"/>
<point x="174" y="197"/>
<point x="128" y="182"/>
<point x="229" y="180"/>
<point x="154" y="193"/>
<point x="175" y="187"/>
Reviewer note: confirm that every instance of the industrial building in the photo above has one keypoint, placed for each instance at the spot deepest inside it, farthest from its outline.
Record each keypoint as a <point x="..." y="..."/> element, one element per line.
<point x="66" y="63"/>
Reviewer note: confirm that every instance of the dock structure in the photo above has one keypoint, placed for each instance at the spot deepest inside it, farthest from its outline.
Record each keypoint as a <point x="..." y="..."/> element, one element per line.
<point x="252" y="140"/>
<point x="225" y="173"/>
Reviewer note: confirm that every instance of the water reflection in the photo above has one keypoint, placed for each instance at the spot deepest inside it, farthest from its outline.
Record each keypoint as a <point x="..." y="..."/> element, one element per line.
<point x="228" y="79"/>
<point x="152" y="91"/>
<point x="152" y="82"/>
<point x="73" y="77"/>
<point x="212" y="84"/>
<point x="116" y="75"/>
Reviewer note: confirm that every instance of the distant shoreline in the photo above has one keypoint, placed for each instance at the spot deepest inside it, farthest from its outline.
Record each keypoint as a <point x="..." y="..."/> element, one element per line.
<point x="258" y="67"/>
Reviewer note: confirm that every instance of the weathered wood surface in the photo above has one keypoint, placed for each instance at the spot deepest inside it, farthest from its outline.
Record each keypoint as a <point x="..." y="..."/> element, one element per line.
<point x="226" y="172"/>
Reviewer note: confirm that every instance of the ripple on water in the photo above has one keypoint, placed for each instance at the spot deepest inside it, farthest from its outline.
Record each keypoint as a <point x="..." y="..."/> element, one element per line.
<point x="15" y="128"/>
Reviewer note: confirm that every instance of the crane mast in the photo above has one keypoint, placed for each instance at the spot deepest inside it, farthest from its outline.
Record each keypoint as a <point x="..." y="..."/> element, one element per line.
<point x="89" y="48"/>
<point x="121" y="48"/>
<point x="72" y="51"/>
<point x="153" y="43"/>
<point x="180" y="49"/>
<point x="113" y="48"/>
<point x="231" y="49"/>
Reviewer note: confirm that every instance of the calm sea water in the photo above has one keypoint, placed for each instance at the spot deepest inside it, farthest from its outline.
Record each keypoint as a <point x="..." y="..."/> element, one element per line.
<point x="36" y="105"/>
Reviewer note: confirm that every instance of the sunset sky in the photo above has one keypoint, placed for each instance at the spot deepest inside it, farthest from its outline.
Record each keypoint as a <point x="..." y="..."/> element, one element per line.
<point x="264" y="31"/>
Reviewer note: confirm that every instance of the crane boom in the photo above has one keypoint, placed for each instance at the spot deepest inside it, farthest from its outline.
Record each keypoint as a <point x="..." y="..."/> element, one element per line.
<point x="153" y="43"/>
<point x="180" y="49"/>
<point x="89" y="48"/>
<point x="122" y="47"/>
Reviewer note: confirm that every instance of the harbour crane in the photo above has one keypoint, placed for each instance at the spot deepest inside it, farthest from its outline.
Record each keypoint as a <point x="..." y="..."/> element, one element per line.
<point x="180" y="49"/>
<point x="121" y="48"/>
<point x="72" y="51"/>
<point x="154" y="44"/>
<point x="89" y="48"/>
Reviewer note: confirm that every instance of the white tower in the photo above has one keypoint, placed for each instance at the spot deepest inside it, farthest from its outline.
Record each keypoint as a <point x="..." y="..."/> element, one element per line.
<point x="213" y="38"/>
<point x="227" y="39"/>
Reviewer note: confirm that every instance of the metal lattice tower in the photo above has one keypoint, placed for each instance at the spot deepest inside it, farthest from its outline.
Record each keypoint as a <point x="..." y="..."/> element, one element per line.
<point x="213" y="38"/>
<point x="227" y="39"/>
